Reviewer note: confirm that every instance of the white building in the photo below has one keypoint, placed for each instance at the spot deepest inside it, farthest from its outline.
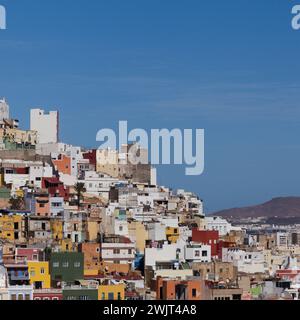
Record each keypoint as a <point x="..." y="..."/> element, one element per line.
<point x="220" y="224"/>
<point x="24" y="292"/>
<point x="245" y="261"/>
<point x="121" y="227"/>
<point x="46" y="125"/>
<point x="165" y="253"/>
<point x="282" y="239"/>
<point x="197" y="253"/>
<point x="3" y="283"/>
<point x="37" y="171"/>
<point x="157" y="231"/>
<point x="98" y="184"/>
<point x="4" y="109"/>
<point x="120" y="253"/>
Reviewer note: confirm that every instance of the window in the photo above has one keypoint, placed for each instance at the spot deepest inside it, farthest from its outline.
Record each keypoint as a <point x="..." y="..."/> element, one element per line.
<point x="77" y="264"/>
<point x="55" y="264"/>
<point x="42" y="271"/>
<point x="197" y="253"/>
<point x="116" y="251"/>
<point x="129" y="251"/>
<point x="204" y="253"/>
<point x="55" y="204"/>
<point x="119" y="296"/>
<point x="110" y="296"/>
<point x="65" y="264"/>
<point x="97" y="250"/>
<point x="194" y="293"/>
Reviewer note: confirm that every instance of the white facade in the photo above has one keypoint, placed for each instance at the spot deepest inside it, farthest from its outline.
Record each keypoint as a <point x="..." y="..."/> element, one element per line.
<point x="98" y="184"/>
<point x="121" y="227"/>
<point x="123" y="253"/>
<point x="153" y="180"/>
<point x="37" y="172"/>
<point x="219" y="224"/>
<point x="46" y="125"/>
<point x="56" y="206"/>
<point x="4" y="109"/>
<point x="157" y="231"/>
<point x="3" y="284"/>
<point x="166" y="253"/>
<point x="282" y="239"/>
<point x="197" y="253"/>
<point x="20" y="292"/>
<point x="245" y="261"/>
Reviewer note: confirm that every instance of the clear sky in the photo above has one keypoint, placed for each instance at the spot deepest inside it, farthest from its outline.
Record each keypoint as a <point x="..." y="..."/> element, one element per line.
<point x="231" y="67"/>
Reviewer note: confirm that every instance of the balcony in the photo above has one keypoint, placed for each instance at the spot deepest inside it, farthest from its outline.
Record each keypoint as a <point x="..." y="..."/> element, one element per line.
<point x="19" y="275"/>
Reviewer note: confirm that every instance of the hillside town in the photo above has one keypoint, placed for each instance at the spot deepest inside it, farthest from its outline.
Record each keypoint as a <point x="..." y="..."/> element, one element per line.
<point x="86" y="224"/>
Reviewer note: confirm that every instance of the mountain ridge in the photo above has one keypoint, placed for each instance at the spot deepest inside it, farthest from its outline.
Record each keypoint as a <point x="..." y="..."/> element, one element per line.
<point x="276" y="207"/>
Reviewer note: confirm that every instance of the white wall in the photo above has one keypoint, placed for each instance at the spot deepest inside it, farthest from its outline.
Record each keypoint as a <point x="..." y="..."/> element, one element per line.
<point x="46" y="125"/>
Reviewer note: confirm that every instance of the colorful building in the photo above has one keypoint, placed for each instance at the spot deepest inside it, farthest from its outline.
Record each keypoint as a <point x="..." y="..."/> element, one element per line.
<point x="111" y="292"/>
<point x="39" y="274"/>
<point x="12" y="227"/>
<point x="66" y="267"/>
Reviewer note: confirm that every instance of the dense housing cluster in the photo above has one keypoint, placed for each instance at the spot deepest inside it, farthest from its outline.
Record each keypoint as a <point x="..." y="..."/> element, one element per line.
<point x="80" y="224"/>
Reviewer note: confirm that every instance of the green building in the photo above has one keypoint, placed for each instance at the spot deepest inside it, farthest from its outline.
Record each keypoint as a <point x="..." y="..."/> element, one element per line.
<point x="66" y="266"/>
<point x="4" y="193"/>
<point x="80" y="294"/>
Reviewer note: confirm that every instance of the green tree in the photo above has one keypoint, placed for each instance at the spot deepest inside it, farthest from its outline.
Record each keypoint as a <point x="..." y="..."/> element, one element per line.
<point x="80" y="190"/>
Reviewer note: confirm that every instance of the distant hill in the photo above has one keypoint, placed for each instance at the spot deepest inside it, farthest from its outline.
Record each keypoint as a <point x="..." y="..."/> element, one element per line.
<point x="277" y="207"/>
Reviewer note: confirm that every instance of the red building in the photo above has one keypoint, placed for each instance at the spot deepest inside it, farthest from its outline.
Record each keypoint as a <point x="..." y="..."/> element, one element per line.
<point x="91" y="156"/>
<point x="48" y="294"/>
<point x="224" y="244"/>
<point x="171" y="289"/>
<point x="55" y="188"/>
<point x="29" y="254"/>
<point x="207" y="237"/>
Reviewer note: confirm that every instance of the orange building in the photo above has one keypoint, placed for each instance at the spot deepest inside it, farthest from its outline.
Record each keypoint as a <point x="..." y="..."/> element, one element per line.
<point x="62" y="164"/>
<point x="171" y="289"/>
<point x="42" y="205"/>
<point x="93" y="264"/>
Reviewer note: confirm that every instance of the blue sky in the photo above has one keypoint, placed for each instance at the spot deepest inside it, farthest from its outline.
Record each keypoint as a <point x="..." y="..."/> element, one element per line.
<point x="230" y="67"/>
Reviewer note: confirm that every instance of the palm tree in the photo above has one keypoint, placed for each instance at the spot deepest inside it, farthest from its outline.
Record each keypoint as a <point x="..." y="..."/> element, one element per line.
<point x="80" y="189"/>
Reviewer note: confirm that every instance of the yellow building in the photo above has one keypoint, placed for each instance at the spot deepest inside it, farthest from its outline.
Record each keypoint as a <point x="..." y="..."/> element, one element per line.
<point x="93" y="228"/>
<point x="68" y="246"/>
<point x="18" y="136"/>
<point x="138" y="234"/>
<point x="39" y="274"/>
<point x="172" y="234"/>
<point x="57" y="229"/>
<point x="111" y="292"/>
<point x="11" y="227"/>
